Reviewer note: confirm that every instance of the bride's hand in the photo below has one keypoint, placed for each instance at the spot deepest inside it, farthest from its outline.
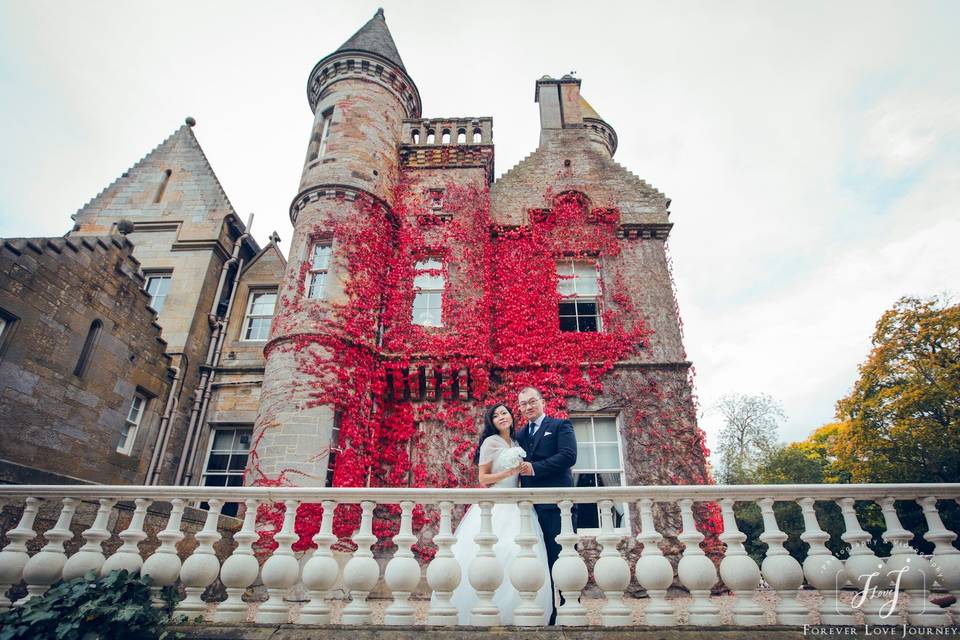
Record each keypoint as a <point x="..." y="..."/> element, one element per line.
<point x="515" y="471"/>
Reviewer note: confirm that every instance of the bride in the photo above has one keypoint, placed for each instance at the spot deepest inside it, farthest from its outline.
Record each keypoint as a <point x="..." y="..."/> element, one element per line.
<point x="492" y="457"/>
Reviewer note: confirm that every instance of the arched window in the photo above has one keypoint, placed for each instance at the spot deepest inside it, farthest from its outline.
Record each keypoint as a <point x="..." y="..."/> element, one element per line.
<point x="461" y="136"/>
<point x="431" y="136"/>
<point x="445" y="138"/>
<point x="476" y="136"/>
<point x="93" y="335"/>
<point x="415" y="136"/>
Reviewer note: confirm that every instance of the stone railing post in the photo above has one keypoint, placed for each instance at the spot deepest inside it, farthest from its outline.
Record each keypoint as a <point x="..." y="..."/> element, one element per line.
<point x="201" y="568"/>
<point x="402" y="574"/>
<point x="46" y="566"/>
<point x="654" y="572"/>
<point x="443" y="573"/>
<point x="14" y="556"/>
<point x="823" y="570"/>
<point x="738" y="570"/>
<point x="780" y="570"/>
<point x="570" y="573"/>
<point x="240" y="570"/>
<point x="90" y="556"/>
<point x="611" y="571"/>
<point x="281" y="570"/>
<point x="945" y="555"/>
<point x="909" y="571"/>
<point x="863" y="567"/>
<point x="321" y="570"/>
<point x="526" y="572"/>
<point x="361" y="573"/>
<point x="163" y="566"/>
<point x="485" y="572"/>
<point x="128" y="555"/>
<point x="696" y="571"/>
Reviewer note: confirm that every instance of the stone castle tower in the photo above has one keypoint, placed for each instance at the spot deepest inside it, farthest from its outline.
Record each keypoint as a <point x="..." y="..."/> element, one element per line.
<point x="418" y="290"/>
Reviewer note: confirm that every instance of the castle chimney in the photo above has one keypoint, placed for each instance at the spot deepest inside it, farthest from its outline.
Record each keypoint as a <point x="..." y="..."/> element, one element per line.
<point x="559" y="102"/>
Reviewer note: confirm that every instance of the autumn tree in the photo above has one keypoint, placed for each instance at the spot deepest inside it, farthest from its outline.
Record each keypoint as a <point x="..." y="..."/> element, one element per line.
<point x="903" y="414"/>
<point x="749" y="434"/>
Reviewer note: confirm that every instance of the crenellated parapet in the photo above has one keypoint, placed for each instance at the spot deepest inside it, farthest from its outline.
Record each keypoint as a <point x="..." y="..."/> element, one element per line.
<point x="366" y="66"/>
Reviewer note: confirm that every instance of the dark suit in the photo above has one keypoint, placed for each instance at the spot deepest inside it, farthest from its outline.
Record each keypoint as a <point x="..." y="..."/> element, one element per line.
<point x="553" y="452"/>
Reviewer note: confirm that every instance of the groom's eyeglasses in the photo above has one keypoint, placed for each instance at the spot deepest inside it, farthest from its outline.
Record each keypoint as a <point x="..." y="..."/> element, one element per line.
<point x="529" y="403"/>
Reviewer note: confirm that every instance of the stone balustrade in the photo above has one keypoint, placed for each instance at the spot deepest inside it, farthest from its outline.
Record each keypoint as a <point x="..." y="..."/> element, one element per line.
<point x="911" y="575"/>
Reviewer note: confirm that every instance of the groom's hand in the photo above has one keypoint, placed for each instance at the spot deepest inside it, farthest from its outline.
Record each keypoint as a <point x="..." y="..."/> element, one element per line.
<point x="526" y="469"/>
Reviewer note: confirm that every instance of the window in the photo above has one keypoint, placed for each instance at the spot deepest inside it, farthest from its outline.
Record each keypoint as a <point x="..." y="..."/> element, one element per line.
<point x="129" y="433"/>
<point x="319" y="265"/>
<point x="334" y="449"/>
<point x="256" y="325"/>
<point x="428" y="301"/>
<point x="226" y="461"/>
<point x="436" y="199"/>
<point x="599" y="464"/>
<point x="325" y="132"/>
<point x="93" y="335"/>
<point x="579" y="289"/>
<point x="158" y="285"/>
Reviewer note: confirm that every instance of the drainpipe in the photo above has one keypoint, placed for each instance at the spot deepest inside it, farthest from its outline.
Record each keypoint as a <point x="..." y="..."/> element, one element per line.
<point x="216" y="339"/>
<point x="163" y="433"/>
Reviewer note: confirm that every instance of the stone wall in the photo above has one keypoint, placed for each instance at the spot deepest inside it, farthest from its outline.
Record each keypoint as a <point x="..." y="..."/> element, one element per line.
<point x="52" y="419"/>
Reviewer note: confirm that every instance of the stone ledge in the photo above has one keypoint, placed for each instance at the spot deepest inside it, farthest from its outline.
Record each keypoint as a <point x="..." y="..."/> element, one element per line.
<point x="383" y="632"/>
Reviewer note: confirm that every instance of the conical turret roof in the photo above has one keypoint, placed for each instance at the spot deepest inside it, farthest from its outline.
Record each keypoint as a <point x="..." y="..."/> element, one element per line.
<point x="375" y="37"/>
<point x="588" y="111"/>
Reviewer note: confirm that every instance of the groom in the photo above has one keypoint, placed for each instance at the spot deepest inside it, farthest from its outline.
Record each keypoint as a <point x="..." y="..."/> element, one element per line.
<point x="551" y="448"/>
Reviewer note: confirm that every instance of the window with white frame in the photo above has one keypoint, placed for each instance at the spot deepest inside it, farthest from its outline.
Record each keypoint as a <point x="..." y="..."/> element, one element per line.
<point x="318" y="141"/>
<point x="158" y="285"/>
<point x="436" y="199"/>
<point x="428" y="283"/>
<point x="334" y="449"/>
<point x="131" y="425"/>
<point x="227" y="460"/>
<point x="260" y="308"/>
<point x="578" y="286"/>
<point x="320" y="254"/>
<point x="599" y="464"/>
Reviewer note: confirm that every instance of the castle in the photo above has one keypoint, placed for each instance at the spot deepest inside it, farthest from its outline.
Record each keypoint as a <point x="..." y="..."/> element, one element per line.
<point x="416" y="290"/>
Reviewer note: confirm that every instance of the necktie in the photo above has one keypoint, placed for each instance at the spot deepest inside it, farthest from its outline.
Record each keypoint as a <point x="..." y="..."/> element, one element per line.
<point x="533" y="429"/>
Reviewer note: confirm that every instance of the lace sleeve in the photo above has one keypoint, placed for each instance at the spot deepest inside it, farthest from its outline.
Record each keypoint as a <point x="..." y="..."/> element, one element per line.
<point x="490" y="448"/>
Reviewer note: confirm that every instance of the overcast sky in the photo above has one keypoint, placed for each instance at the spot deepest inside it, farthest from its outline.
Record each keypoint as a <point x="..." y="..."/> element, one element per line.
<point x="811" y="149"/>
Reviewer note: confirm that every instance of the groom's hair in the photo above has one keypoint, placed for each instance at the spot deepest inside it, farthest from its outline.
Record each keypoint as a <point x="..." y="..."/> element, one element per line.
<point x="534" y="389"/>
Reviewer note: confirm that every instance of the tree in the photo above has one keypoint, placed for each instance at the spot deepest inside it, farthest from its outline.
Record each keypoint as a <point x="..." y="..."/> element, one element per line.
<point x="749" y="434"/>
<point x="903" y="414"/>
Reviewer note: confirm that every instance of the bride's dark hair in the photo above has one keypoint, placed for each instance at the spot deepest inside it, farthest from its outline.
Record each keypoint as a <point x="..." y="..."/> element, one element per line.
<point x="489" y="429"/>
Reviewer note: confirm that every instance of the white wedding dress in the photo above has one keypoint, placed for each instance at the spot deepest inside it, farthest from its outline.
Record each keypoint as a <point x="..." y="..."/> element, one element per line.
<point x="506" y="526"/>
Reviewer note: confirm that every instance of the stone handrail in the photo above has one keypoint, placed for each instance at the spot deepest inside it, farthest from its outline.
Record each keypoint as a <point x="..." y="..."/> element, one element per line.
<point x="903" y="571"/>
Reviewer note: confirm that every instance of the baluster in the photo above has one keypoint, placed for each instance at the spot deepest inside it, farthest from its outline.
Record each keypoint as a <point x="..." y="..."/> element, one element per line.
<point x="128" y="555"/>
<point x="569" y="571"/>
<point x="46" y="566"/>
<point x="240" y="570"/>
<point x="163" y="567"/>
<point x="696" y="571"/>
<point x="402" y="574"/>
<point x="738" y="570"/>
<point x="361" y="573"/>
<point x="202" y="567"/>
<point x="90" y="556"/>
<point x="611" y="572"/>
<point x="281" y="570"/>
<point x="654" y="572"/>
<point x="444" y="573"/>
<point x="320" y="571"/>
<point x="909" y="571"/>
<point x="781" y="570"/>
<point x="823" y="570"/>
<point x="526" y="572"/>
<point x="14" y="556"/>
<point x="945" y="556"/>
<point x="485" y="573"/>
<point x="863" y="567"/>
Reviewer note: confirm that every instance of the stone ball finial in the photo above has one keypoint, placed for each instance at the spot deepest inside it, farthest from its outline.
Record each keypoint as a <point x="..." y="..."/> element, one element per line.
<point x="546" y="77"/>
<point x="124" y="226"/>
<point x="190" y="121"/>
<point x="379" y="12"/>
